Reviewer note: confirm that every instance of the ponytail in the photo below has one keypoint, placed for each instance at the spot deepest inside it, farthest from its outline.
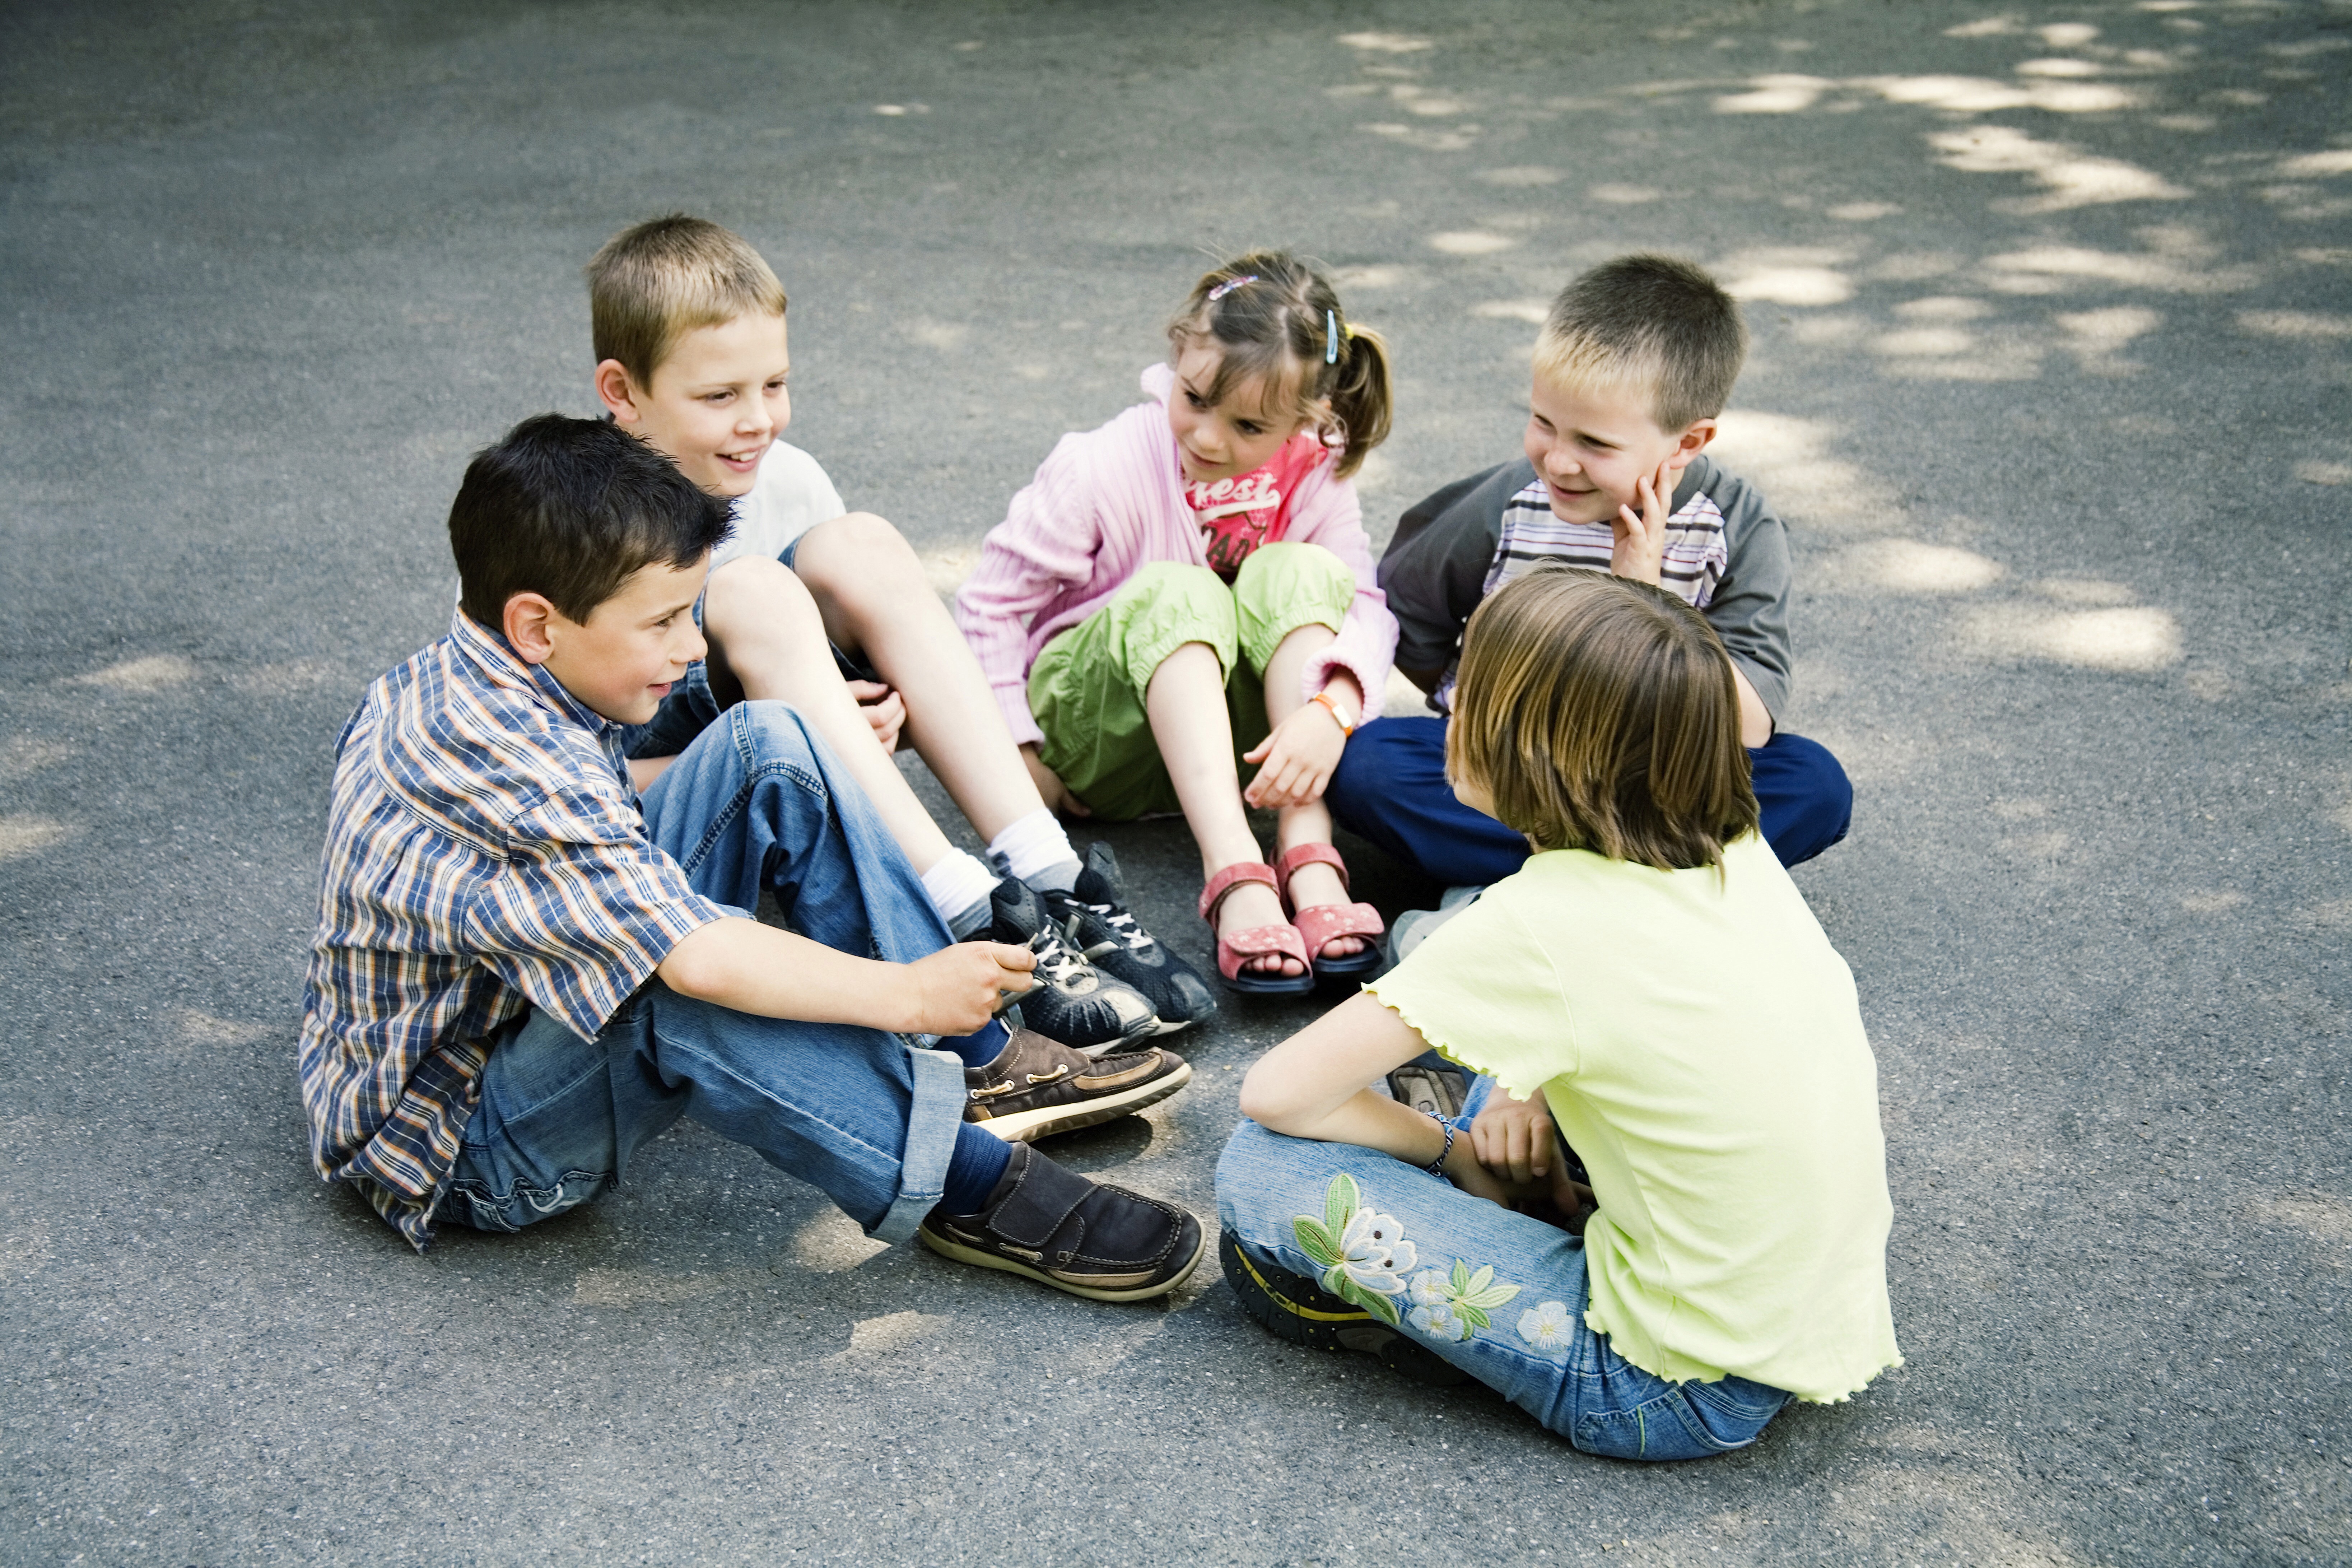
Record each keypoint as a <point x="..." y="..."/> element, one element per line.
<point x="1361" y="397"/>
<point x="1270" y="315"/>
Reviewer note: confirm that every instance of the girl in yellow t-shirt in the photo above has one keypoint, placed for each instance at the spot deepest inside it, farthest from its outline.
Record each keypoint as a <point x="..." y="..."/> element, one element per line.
<point x="1652" y="982"/>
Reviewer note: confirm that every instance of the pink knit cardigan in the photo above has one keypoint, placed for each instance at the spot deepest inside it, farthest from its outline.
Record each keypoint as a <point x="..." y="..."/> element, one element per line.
<point x="1105" y="503"/>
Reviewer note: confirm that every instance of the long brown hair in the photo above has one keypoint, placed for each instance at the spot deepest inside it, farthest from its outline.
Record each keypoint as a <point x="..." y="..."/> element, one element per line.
<point x="1598" y="713"/>
<point x="1273" y="317"/>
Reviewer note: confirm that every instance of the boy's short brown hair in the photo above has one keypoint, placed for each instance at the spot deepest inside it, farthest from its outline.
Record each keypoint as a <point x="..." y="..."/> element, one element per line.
<point x="653" y="284"/>
<point x="1598" y="713"/>
<point x="1656" y="321"/>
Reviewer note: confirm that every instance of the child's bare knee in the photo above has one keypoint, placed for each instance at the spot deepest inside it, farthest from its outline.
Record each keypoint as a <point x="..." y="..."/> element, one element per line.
<point x="859" y="557"/>
<point x="753" y="598"/>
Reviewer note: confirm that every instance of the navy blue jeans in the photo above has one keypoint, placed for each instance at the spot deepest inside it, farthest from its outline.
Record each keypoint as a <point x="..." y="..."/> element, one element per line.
<point x="870" y="1118"/>
<point x="1390" y="788"/>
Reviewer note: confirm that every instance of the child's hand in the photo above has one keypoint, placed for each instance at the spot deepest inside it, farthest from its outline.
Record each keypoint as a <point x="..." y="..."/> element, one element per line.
<point x="960" y="987"/>
<point x="1050" y="787"/>
<point x="1298" y="760"/>
<point x="1512" y="1138"/>
<point x="884" y="709"/>
<point x="1640" y="549"/>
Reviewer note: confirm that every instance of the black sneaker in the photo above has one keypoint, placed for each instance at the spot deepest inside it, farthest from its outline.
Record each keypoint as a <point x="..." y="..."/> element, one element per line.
<point x="1037" y="1087"/>
<point x="1300" y="1310"/>
<point x="1096" y="917"/>
<point x="1072" y="1002"/>
<point x="1054" y="1225"/>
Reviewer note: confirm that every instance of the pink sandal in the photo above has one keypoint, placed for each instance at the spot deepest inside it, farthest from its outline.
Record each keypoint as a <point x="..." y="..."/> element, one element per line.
<point x="1281" y="940"/>
<point x="1321" y="924"/>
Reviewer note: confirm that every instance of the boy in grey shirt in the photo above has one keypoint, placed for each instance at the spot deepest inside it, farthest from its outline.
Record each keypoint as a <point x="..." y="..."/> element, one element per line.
<point x="1636" y="360"/>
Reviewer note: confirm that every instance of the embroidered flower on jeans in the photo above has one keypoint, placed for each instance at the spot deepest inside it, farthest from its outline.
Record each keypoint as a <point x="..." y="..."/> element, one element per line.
<point x="1426" y="1289"/>
<point x="1363" y="1253"/>
<point x="1547" y="1327"/>
<point x="1439" y="1321"/>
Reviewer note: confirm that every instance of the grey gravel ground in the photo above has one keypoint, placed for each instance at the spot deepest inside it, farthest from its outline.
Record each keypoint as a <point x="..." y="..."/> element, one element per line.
<point x="2052" y="316"/>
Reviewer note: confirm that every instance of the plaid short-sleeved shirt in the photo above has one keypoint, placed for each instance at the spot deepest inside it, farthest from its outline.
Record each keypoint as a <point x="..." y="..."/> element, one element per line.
<point x="485" y="855"/>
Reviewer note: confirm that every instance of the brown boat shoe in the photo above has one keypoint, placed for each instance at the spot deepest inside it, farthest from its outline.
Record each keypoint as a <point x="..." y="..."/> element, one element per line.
<point x="1036" y="1087"/>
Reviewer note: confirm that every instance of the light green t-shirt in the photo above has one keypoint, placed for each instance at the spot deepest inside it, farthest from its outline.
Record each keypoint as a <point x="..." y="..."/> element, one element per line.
<point x="1700" y="1045"/>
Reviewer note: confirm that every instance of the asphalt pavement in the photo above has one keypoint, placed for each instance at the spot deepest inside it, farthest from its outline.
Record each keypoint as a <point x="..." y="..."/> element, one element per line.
<point x="2052" y="308"/>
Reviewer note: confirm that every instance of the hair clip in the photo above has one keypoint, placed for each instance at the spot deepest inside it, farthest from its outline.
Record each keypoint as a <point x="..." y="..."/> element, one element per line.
<point x="1228" y="286"/>
<point x="1331" y="338"/>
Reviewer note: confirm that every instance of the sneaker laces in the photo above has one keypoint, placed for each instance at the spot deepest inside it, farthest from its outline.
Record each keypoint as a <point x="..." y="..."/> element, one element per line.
<point x="1130" y="935"/>
<point x="1059" y="963"/>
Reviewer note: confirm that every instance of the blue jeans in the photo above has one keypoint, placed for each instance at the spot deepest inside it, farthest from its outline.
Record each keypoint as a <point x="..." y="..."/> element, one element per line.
<point x="1497" y="1294"/>
<point x="1390" y="787"/>
<point x="869" y="1118"/>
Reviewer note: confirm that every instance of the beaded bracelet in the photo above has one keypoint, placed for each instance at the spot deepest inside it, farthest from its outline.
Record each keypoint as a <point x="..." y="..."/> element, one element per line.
<point x="1437" y="1167"/>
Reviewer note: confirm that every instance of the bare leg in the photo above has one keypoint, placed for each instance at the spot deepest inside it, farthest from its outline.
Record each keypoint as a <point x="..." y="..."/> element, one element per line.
<point x="1186" y="705"/>
<point x="766" y="635"/>
<point x="878" y="604"/>
<point x="1317" y="883"/>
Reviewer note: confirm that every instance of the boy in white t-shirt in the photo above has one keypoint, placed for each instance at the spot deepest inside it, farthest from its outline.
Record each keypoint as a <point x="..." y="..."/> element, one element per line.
<point x="830" y="611"/>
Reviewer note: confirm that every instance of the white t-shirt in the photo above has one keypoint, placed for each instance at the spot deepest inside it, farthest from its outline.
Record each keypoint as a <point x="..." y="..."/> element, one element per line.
<point x="790" y="496"/>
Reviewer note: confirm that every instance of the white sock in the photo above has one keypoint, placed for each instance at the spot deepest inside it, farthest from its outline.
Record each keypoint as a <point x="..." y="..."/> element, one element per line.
<point x="1037" y="850"/>
<point x="958" y="888"/>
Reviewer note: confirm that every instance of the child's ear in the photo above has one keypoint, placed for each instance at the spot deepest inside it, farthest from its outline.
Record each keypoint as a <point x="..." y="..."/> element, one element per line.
<point x="1694" y="441"/>
<point x="618" y="393"/>
<point x="527" y="625"/>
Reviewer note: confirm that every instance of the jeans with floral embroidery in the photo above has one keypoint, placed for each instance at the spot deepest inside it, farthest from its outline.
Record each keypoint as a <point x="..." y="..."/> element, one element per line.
<point x="755" y="802"/>
<point x="1499" y="1295"/>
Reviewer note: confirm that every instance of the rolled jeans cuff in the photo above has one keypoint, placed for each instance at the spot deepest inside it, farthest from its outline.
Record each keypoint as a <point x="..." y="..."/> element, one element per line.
<point x="931" y="1126"/>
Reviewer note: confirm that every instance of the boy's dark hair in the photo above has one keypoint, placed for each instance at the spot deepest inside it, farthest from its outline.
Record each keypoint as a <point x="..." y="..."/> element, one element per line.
<point x="1658" y="320"/>
<point x="571" y="508"/>
<point x="1598" y="713"/>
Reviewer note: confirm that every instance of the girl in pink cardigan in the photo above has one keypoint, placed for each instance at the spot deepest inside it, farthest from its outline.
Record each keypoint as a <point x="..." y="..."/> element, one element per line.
<point x="1189" y="589"/>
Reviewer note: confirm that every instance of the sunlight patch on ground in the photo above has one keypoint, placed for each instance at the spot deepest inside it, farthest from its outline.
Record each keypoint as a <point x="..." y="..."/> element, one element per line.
<point x="1531" y="312"/>
<point x="1388" y="43"/>
<point x="1380" y="275"/>
<point x="2295" y="325"/>
<point x="158" y="672"/>
<point x="831" y="1242"/>
<point x="1790" y="457"/>
<point x="1863" y="212"/>
<point x="1792" y="286"/>
<point x="1625" y="195"/>
<point x="1913" y="566"/>
<point x="1521" y="175"/>
<point x="2328" y="1219"/>
<point x="2317" y="473"/>
<point x="215" y="1032"/>
<point x="2074" y="178"/>
<point x="21" y="756"/>
<point x="2086" y="591"/>
<point x="893" y="1331"/>
<point x="2315" y="165"/>
<point x="944" y="336"/>
<point x="2046" y="269"/>
<point x="2097" y="338"/>
<point x="25" y="834"/>
<point x="1925" y="342"/>
<point x="2212" y="903"/>
<point x="1775" y="94"/>
<point x="947" y="567"/>
<point x="1470" y="242"/>
<point x="1428" y="140"/>
<point x="2139" y="639"/>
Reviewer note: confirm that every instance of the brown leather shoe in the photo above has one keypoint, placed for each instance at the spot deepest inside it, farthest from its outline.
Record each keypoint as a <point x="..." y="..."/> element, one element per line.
<point x="1037" y="1086"/>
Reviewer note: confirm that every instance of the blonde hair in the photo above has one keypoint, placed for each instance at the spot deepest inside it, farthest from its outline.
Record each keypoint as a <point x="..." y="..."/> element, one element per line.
<point x="1273" y="318"/>
<point x="652" y="284"/>
<point x="1598" y="713"/>
<point x="1653" y="321"/>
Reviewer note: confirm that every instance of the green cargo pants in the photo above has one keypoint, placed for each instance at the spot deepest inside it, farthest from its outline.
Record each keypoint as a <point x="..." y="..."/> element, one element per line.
<point x="1086" y="688"/>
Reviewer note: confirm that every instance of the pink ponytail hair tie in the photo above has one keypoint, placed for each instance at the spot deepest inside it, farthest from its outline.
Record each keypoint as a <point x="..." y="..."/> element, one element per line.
<point x="1228" y="286"/>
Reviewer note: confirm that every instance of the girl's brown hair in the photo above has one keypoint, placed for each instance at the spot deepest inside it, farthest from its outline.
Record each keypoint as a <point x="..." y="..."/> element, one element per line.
<point x="1598" y="713"/>
<point x="1273" y="318"/>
